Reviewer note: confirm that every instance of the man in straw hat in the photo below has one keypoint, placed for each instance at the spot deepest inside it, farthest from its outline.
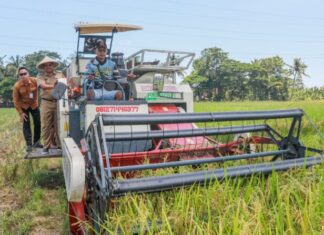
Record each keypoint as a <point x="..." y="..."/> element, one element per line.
<point x="25" y="99"/>
<point x="47" y="82"/>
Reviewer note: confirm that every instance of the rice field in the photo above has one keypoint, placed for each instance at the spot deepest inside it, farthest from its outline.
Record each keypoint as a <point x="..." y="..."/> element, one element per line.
<point x="32" y="197"/>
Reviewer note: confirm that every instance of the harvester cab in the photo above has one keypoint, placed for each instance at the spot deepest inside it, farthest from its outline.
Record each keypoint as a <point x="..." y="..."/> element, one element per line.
<point x="148" y="80"/>
<point x="112" y="148"/>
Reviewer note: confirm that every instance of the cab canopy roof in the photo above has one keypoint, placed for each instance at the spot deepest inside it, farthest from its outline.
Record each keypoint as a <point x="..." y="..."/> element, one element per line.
<point x="104" y="28"/>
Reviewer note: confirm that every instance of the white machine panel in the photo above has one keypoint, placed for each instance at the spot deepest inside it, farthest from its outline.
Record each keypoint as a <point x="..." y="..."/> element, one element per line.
<point x="74" y="170"/>
<point x="63" y="114"/>
<point x="92" y="110"/>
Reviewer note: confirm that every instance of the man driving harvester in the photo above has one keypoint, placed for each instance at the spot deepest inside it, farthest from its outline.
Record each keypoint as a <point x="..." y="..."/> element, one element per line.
<point x="103" y="68"/>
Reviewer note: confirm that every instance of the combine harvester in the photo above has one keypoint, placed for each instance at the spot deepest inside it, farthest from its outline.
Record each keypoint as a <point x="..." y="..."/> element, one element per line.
<point x="108" y="144"/>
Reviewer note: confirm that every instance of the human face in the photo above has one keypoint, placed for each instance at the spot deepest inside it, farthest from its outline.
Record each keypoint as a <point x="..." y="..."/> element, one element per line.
<point x="49" y="68"/>
<point x="23" y="74"/>
<point x="101" y="53"/>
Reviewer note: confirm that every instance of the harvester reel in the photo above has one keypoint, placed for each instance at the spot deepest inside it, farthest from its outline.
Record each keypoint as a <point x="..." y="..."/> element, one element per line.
<point x="297" y="149"/>
<point x="111" y="174"/>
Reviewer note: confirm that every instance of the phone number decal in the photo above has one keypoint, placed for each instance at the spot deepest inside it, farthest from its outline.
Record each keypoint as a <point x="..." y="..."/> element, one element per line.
<point x="117" y="109"/>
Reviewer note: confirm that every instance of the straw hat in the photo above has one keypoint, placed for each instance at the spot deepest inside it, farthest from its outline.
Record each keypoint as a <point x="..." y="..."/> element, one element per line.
<point x="45" y="60"/>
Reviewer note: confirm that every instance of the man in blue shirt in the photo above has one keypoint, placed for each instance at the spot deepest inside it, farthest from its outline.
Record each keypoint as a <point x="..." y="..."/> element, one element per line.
<point x="103" y="69"/>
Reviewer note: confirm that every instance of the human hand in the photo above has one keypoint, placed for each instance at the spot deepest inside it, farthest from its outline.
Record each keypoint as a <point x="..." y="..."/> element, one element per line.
<point x="131" y="76"/>
<point x="91" y="76"/>
<point x="90" y="94"/>
<point x="55" y="83"/>
<point x="23" y="117"/>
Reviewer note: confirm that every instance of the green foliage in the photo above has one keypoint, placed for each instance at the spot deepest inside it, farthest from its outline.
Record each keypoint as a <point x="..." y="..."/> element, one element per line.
<point x="2" y="67"/>
<point x="210" y="67"/>
<point x="195" y="81"/>
<point x="312" y="93"/>
<point x="9" y="68"/>
<point x="31" y="60"/>
<point x="15" y="222"/>
<point x="298" y="71"/>
<point x="13" y="65"/>
<point x="6" y="86"/>
<point x="218" y="77"/>
<point x="269" y="79"/>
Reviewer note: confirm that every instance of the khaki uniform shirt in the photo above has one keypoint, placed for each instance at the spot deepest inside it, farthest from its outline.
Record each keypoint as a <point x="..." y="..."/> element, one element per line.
<point x="25" y="94"/>
<point x="49" y="80"/>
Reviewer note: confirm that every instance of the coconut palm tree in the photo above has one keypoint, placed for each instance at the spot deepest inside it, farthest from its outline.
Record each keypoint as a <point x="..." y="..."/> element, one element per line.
<point x="14" y="63"/>
<point x="297" y="69"/>
<point x="2" y="67"/>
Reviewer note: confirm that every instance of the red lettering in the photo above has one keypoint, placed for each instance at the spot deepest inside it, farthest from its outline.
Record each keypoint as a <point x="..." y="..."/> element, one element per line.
<point x="117" y="109"/>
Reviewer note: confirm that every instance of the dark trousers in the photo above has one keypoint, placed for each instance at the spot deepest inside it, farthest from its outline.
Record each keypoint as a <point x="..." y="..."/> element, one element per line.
<point x="37" y="125"/>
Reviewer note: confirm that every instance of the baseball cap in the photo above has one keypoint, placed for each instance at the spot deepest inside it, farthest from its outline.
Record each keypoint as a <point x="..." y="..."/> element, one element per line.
<point x="101" y="44"/>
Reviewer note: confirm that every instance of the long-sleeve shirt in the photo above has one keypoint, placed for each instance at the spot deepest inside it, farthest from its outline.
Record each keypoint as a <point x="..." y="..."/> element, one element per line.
<point x="25" y="94"/>
<point x="49" y="80"/>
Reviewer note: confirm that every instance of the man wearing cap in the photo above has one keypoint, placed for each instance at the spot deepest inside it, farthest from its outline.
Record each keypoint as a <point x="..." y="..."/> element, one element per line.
<point x="103" y="68"/>
<point x="26" y="102"/>
<point x="47" y="82"/>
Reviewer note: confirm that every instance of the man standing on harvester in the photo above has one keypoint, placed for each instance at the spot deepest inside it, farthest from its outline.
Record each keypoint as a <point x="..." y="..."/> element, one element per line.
<point x="47" y="82"/>
<point x="26" y="102"/>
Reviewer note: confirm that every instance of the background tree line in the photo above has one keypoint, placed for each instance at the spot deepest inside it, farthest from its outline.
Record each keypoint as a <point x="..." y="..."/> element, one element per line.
<point x="215" y="77"/>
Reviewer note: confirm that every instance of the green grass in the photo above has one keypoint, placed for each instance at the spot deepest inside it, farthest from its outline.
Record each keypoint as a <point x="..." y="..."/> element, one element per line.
<point x="29" y="199"/>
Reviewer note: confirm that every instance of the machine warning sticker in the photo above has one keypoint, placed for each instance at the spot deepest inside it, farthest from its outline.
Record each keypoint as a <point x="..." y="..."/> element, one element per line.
<point x="117" y="109"/>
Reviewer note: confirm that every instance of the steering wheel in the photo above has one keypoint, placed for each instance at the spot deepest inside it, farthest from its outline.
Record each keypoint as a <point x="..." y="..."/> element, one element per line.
<point x="110" y="85"/>
<point x="98" y="80"/>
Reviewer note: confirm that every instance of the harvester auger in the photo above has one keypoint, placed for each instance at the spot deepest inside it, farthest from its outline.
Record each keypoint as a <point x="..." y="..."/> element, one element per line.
<point x="113" y="148"/>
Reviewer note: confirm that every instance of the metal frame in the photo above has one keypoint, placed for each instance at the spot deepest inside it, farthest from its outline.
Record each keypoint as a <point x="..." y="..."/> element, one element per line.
<point x="79" y="53"/>
<point x="291" y="151"/>
<point x="166" y="67"/>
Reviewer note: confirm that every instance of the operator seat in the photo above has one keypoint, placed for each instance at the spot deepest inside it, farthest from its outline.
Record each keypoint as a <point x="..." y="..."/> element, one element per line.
<point x="118" y="58"/>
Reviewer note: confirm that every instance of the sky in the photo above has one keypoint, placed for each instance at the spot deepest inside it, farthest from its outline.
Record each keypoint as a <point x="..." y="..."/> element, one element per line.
<point x="247" y="30"/>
